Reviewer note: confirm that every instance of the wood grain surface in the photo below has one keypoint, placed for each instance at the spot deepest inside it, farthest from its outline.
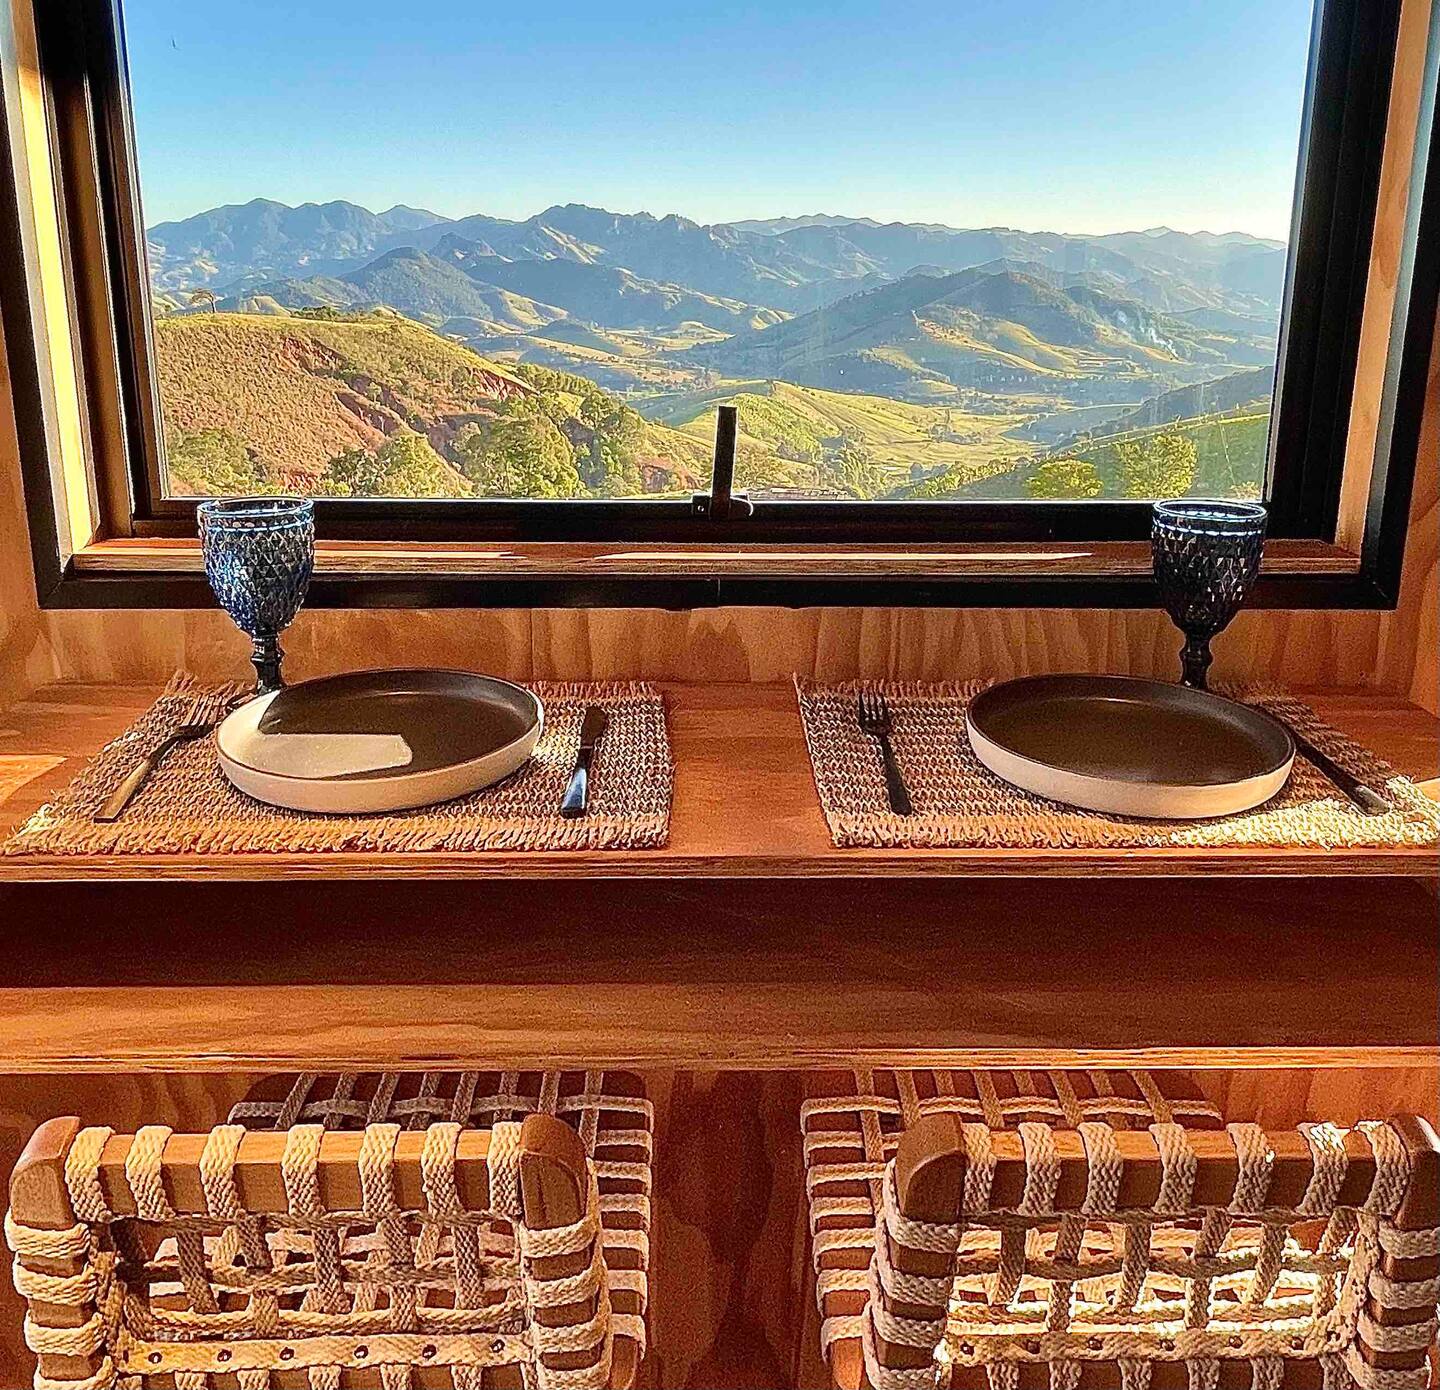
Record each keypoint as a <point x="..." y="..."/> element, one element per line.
<point x="131" y="555"/>
<point x="742" y="975"/>
<point x="745" y="806"/>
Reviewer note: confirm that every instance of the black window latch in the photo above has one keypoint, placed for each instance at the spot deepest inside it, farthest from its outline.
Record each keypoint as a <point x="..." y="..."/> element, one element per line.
<point x="722" y="502"/>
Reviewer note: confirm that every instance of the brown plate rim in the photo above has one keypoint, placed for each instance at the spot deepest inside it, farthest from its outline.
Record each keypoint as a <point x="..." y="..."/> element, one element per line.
<point x="535" y="728"/>
<point x="1138" y="684"/>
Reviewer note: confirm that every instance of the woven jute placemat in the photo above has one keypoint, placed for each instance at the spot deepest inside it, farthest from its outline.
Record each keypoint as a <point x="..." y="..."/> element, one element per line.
<point x="960" y="803"/>
<point x="188" y="806"/>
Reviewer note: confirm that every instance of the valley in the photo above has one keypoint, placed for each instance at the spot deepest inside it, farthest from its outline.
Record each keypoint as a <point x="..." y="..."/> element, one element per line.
<point x="581" y="353"/>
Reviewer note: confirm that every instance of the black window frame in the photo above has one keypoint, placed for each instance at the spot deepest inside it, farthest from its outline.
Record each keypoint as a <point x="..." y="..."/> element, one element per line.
<point x="1346" y="110"/>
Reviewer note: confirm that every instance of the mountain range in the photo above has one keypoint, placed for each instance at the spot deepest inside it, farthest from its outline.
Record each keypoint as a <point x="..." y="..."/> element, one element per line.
<point x="459" y="278"/>
<point x="788" y="265"/>
<point x="870" y="358"/>
<point x="1000" y="328"/>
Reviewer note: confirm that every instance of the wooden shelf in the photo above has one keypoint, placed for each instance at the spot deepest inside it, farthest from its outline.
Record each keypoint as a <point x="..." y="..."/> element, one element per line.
<point x="131" y="977"/>
<point x="745" y="807"/>
<point x="134" y="555"/>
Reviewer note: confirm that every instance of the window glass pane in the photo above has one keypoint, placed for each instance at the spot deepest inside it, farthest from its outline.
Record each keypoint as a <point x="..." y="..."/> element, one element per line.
<point x="955" y="251"/>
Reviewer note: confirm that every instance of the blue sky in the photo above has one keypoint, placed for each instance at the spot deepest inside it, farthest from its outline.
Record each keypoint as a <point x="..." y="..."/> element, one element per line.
<point x="1063" y="115"/>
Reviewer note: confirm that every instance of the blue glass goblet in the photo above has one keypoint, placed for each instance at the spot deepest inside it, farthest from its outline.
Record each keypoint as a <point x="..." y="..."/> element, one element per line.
<point x="259" y="555"/>
<point x="1207" y="556"/>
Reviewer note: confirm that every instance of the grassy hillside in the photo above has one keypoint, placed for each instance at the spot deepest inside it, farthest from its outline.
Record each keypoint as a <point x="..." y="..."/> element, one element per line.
<point x="629" y="361"/>
<point x="805" y="439"/>
<point x="1228" y="460"/>
<point x="380" y="405"/>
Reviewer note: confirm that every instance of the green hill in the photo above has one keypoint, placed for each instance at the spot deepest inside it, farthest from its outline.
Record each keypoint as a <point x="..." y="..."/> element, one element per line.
<point x="802" y="439"/>
<point x="1222" y="456"/>
<point x="378" y="405"/>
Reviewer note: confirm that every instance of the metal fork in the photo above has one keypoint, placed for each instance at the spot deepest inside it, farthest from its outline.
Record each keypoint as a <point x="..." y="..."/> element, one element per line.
<point x="873" y="710"/>
<point x="204" y="714"/>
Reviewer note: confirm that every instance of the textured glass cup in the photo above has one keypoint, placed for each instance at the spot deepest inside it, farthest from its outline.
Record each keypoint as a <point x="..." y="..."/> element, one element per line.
<point x="259" y="555"/>
<point x="1207" y="555"/>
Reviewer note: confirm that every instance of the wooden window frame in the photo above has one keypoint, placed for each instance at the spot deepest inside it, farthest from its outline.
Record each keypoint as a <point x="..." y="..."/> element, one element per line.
<point x="671" y="554"/>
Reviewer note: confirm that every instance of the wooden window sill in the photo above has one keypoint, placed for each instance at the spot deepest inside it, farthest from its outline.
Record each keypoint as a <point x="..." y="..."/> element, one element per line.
<point x="167" y="573"/>
<point x="580" y="558"/>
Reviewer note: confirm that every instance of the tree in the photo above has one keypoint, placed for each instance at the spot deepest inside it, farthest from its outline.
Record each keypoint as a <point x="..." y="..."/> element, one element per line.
<point x="757" y="469"/>
<point x="1064" y="479"/>
<point x="215" y="463"/>
<point x="1160" y="465"/>
<point x="204" y="296"/>
<point x="520" y="453"/>
<point x="403" y="466"/>
<point x="612" y="467"/>
<point x="853" y="467"/>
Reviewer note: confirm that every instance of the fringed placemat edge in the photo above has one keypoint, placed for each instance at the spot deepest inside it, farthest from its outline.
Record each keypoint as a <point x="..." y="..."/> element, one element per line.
<point x="382" y="833"/>
<point x="1054" y="825"/>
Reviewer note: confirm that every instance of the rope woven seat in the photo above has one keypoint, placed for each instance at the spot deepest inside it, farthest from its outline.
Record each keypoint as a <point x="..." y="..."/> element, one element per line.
<point x="1009" y="1230"/>
<point x="403" y="1232"/>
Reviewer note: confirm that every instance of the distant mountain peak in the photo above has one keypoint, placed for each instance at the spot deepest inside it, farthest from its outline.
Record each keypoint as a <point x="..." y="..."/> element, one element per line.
<point x="401" y="253"/>
<point x="418" y="212"/>
<point x="453" y="244"/>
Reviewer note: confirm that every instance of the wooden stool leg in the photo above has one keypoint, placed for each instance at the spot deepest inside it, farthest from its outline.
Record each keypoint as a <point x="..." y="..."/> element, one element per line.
<point x="929" y="1180"/>
<point x="555" y="1188"/>
<point x="40" y="1201"/>
<point x="1410" y="1265"/>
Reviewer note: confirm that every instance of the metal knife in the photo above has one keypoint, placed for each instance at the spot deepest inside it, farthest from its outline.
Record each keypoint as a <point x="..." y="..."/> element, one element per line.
<point x="1366" y="799"/>
<point x="577" y="793"/>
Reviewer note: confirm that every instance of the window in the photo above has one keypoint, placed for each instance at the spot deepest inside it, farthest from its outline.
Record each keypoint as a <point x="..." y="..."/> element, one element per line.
<point x="488" y="282"/>
<point x="964" y="274"/>
<point x="367" y="284"/>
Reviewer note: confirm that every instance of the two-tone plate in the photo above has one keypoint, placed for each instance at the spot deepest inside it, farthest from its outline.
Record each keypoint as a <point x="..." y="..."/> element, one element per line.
<point x="379" y="740"/>
<point x="1130" y="747"/>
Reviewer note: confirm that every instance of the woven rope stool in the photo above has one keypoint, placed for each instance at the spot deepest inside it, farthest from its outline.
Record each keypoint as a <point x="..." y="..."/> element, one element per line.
<point x="401" y="1232"/>
<point x="1009" y="1230"/>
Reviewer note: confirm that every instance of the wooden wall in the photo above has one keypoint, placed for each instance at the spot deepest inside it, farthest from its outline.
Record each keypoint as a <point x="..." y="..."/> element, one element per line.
<point x="24" y="654"/>
<point x="1397" y="651"/>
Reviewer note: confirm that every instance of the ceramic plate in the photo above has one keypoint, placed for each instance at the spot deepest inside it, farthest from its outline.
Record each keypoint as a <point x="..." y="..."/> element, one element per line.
<point x="1130" y="747"/>
<point x="379" y="740"/>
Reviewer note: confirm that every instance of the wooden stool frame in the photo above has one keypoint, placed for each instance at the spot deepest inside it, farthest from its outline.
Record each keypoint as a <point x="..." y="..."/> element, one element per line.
<point x="445" y="1178"/>
<point x="932" y="1207"/>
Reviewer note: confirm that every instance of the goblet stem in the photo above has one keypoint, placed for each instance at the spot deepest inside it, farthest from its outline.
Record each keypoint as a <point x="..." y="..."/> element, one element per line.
<point x="266" y="654"/>
<point x="1195" y="659"/>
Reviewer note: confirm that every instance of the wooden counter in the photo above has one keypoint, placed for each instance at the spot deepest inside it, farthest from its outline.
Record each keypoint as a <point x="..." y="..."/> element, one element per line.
<point x="184" y="977"/>
<point x="749" y="943"/>
<point x="745" y="806"/>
